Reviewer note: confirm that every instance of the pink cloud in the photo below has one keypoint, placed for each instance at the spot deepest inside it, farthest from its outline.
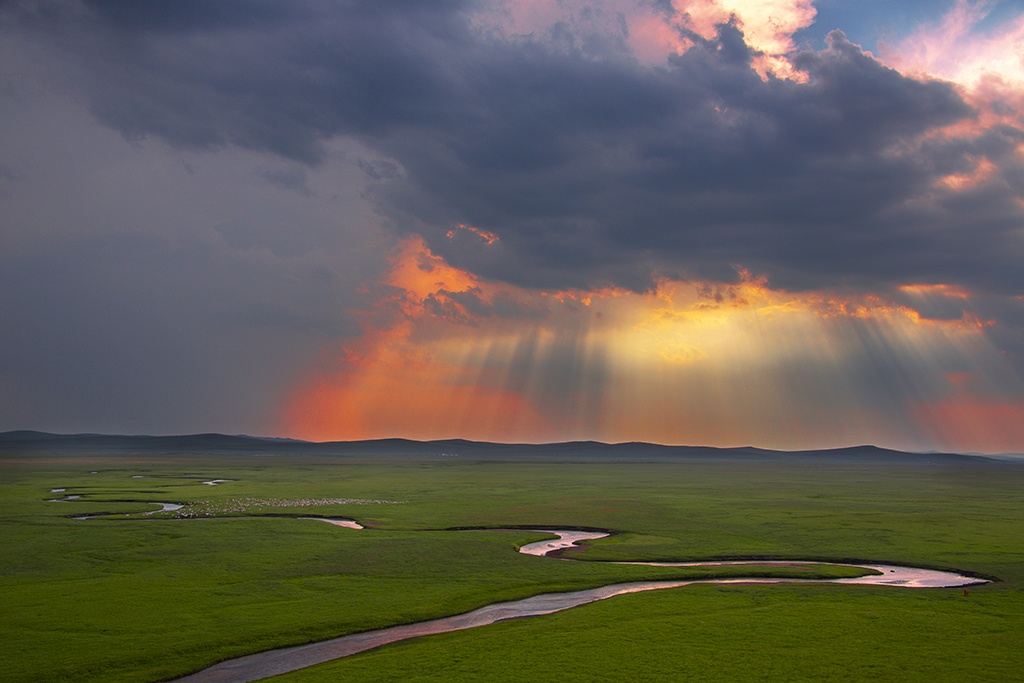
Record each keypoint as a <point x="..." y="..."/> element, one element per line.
<point x="768" y="27"/>
<point x="652" y="34"/>
<point x="988" y="65"/>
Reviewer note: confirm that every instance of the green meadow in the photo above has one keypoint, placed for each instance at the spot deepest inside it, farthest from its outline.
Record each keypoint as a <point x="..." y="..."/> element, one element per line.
<point x="140" y="595"/>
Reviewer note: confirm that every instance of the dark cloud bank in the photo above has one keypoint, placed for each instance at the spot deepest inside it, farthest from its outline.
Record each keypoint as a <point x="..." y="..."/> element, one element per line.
<point x="592" y="168"/>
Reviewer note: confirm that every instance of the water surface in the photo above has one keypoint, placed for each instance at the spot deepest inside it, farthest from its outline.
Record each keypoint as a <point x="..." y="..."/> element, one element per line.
<point x="273" y="662"/>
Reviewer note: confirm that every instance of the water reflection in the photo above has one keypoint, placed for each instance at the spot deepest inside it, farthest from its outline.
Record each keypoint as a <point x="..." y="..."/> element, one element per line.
<point x="274" y="662"/>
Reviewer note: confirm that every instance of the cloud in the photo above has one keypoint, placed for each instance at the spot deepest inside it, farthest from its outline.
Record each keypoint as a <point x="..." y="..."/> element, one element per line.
<point x="985" y="62"/>
<point x="150" y="290"/>
<point x="590" y="167"/>
<point x="691" y="170"/>
<point x="957" y="48"/>
<point x="655" y="29"/>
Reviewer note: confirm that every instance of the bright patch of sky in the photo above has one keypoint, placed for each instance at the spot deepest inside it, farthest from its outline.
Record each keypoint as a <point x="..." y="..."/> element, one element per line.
<point x="869" y="23"/>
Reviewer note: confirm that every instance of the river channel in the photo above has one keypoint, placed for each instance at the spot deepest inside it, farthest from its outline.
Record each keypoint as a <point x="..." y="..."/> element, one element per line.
<point x="274" y="662"/>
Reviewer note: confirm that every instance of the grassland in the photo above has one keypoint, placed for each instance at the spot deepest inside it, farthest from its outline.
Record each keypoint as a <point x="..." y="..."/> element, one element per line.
<point x="144" y="597"/>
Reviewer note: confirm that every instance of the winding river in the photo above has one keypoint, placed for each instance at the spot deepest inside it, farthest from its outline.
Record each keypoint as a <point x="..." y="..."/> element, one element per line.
<point x="273" y="662"/>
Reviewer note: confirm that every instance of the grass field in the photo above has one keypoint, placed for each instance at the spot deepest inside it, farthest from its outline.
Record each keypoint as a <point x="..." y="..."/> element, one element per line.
<point x="144" y="597"/>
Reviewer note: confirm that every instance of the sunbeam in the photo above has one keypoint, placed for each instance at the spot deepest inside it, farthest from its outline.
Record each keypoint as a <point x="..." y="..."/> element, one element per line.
<point x="685" y="363"/>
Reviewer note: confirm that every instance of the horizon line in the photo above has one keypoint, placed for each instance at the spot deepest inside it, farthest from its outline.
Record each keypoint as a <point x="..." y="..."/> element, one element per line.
<point x="6" y="435"/>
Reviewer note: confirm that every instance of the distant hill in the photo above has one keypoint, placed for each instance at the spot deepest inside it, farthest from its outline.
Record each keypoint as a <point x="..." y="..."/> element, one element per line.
<point x="112" y="444"/>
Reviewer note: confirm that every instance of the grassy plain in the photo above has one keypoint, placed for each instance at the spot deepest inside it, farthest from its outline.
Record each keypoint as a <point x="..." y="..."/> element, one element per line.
<point x="145" y="597"/>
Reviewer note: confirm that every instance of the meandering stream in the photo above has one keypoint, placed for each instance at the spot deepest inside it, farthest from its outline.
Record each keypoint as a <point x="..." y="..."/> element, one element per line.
<point x="262" y="665"/>
<point x="274" y="662"/>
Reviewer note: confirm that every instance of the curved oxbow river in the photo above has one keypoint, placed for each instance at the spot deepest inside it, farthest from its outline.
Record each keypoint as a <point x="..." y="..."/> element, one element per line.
<point x="274" y="662"/>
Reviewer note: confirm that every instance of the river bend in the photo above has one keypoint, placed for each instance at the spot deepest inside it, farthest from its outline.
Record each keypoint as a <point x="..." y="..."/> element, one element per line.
<point x="274" y="662"/>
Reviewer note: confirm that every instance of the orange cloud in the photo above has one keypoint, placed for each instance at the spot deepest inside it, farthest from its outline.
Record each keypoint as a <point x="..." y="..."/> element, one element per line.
<point x="407" y="375"/>
<point x="445" y="354"/>
<point x="943" y="290"/>
<point x="417" y="272"/>
<point x="486" y="235"/>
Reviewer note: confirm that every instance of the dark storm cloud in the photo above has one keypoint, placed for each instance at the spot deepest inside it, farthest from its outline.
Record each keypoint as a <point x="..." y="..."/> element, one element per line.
<point x="123" y="333"/>
<point x="187" y="15"/>
<point x="592" y="168"/>
<point x="146" y="289"/>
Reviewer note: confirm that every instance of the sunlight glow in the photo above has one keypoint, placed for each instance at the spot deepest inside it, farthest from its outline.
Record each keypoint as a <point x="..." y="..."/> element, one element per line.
<point x="693" y="363"/>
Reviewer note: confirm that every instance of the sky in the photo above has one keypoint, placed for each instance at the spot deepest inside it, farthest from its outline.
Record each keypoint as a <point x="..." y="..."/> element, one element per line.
<point x="790" y="224"/>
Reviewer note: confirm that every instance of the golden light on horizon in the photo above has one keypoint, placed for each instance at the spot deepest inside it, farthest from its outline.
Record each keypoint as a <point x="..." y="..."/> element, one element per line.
<point x="687" y="363"/>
